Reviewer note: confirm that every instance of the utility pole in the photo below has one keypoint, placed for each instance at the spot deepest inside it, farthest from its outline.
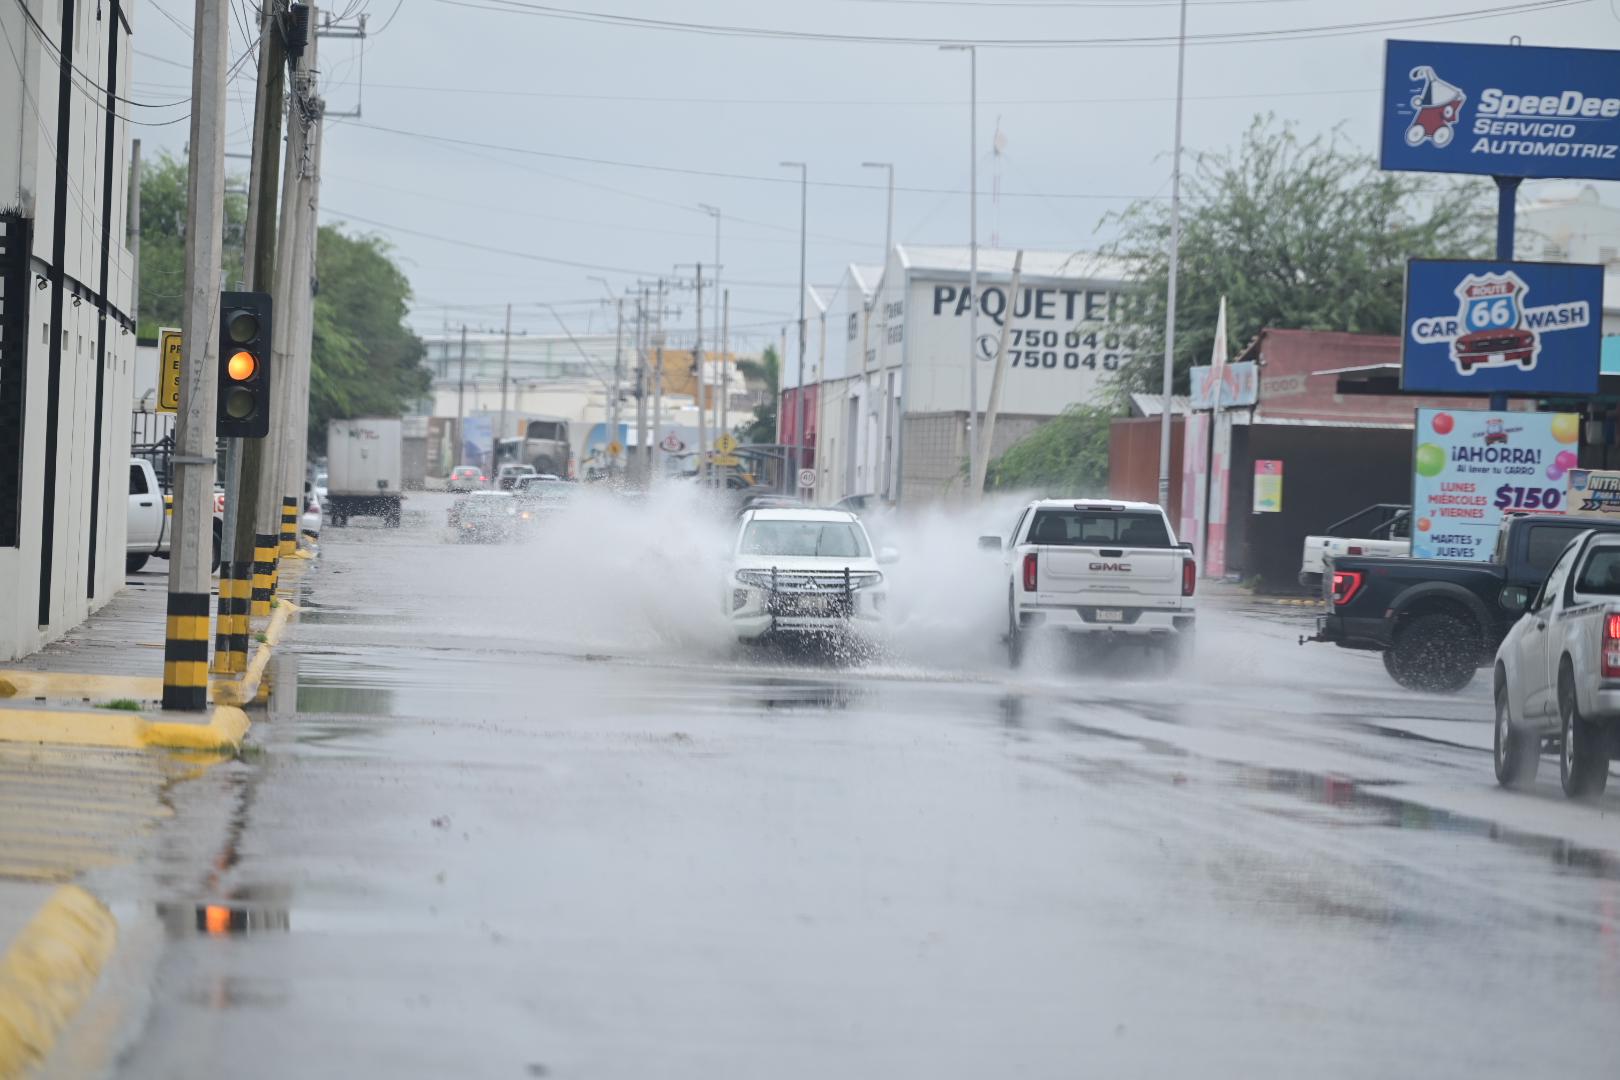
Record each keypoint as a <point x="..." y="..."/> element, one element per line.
<point x="973" y="252"/>
<point x="297" y="444"/>
<point x="697" y="361"/>
<point x="461" y="396"/>
<point x="185" y="647"/>
<point x="1175" y="259"/>
<point x="725" y="365"/>
<point x="888" y="220"/>
<point x="798" y="390"/>
<point x="977" y="487"/>
<point x="618" y="380"/>
<point x="643" y="456"/>
<point x="258" y="267"/>
<point x="294" y="195"/>
<point x="506" y="367"/>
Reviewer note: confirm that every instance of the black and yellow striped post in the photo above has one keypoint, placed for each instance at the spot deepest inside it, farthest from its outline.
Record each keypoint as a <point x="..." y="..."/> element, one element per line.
<point x="185" y="652"/>
<point x="230" y="629"/>
<point x="289" y="526"/>
<point x="264" y="569"/>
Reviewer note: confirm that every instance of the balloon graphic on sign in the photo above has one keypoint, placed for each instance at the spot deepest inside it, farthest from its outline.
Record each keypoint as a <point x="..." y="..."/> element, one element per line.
<point x="1424" y="524"/>
<point x="1566" y="428"/>
<point x="1442" y="423"/>
<point x="1430" y="460"/>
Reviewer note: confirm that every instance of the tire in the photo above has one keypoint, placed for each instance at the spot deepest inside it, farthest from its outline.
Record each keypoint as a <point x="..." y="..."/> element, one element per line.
<point x="1435" y="653"/>
<point x="391" y="517"/>
<point x="1017" y="640"/>
<point x="1517" y="753"/>
<point x="133" y="563"/>
<point x="1583" y="759"/>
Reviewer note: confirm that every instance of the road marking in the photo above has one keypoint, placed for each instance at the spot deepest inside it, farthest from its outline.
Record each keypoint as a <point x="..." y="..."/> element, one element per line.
<point x="48" y="972"/>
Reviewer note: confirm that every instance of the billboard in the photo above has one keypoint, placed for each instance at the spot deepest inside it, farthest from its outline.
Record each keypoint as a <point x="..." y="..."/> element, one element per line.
<point x="1475" y="327"/>
<point x="1501" y="110"/>
<point x="1062" y="348"/>
<point x="1240" y="385"/>
<point x="1470" y="468"/>
<point x="1594" y="492"/>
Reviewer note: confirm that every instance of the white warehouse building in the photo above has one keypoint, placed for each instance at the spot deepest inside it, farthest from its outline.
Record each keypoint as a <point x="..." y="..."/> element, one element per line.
<point x="890" y="372"/>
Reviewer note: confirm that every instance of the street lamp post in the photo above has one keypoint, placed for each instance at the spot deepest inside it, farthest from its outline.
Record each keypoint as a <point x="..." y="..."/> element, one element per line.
<point x="1175" y="257"/>
<point x="973" y="252"/>
<point x="715" y="210"/>
<point x="888" y="220"/>
<point x="798" y="394"/>
<point x="618" y="368"/>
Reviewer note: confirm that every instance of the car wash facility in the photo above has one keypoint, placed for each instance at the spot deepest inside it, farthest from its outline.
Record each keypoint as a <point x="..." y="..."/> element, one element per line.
<point x="888" y="363"/>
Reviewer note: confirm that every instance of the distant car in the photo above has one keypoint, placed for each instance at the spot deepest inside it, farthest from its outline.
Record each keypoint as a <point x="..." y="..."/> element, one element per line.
<point x="1496" y="348"/>
<point x="485" y="517"/>
<point x="542" y="495"/>
<point x="804" y="572"/>
<point x="465" y="478"/>
<point x="309" y="522"/>
<point x="507" y="476"/>
<point x="320" y="485"/>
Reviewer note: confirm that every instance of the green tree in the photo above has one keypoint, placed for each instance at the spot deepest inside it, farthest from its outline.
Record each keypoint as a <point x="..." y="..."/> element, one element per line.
<point x="1296" y="234"/>
<point x="367" y="361"/>
<point x="768" y="369"/>
<point x="1067" y="456"/>
<point x="163" y="242"/>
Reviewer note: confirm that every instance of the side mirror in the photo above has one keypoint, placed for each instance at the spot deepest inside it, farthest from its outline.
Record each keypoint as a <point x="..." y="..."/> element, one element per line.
<point x="888" y="555"/>
<point x="990" y="543"/>
<point x="1514" y="598"/>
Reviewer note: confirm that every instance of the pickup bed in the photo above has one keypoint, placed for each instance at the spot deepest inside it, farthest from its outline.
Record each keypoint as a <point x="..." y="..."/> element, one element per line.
<point x="1436" y="621"/>
<point x="1111" y="571"/>
<point x="1380" y="529"/>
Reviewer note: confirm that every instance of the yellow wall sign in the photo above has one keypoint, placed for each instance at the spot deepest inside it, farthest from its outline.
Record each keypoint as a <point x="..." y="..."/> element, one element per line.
<point x="169" y="344"/>
<point x="726" y="443"/>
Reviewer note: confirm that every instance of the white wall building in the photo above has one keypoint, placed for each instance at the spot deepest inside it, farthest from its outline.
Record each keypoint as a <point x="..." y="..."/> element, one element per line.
<point x="893" y="399"/>
<point x="66" y="315"/>
<point x="1569" y="224"/>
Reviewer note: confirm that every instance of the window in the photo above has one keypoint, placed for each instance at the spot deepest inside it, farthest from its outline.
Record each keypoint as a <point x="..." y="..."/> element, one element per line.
<point x="1555" y="580"/>
<point x="16" y="286"/>
<point x="137" y="481"/>
<point x="1546" y="543"/>
<point x="805" y="539"/>
<point x="1601" y="574"/>
<point x="1099" y="528"/>
<point x="545" y="429"/>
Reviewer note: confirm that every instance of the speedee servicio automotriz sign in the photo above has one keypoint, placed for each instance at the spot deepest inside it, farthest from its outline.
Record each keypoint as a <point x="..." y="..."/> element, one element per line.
<point x="1501" y="110"/>
<point x="1475" y="327"/>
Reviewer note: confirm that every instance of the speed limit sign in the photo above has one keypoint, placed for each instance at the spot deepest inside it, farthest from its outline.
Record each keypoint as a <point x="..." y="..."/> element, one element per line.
<point x="807" y="478"/>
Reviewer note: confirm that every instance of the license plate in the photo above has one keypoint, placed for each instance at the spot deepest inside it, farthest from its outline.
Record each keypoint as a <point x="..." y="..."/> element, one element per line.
<point x="1110" y="615"/>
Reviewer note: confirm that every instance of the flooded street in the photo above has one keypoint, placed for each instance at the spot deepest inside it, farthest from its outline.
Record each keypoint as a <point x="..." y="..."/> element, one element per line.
<point x="492" y="840"/>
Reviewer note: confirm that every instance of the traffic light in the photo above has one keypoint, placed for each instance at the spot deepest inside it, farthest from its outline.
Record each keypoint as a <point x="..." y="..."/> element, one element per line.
<point x="244" y="365"/>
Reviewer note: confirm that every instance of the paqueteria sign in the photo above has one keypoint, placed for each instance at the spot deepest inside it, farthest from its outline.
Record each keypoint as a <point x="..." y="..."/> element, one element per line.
<point x="1470" y="469"/>
<point x="1501" y="110"/>
<point x="1502" y="327"/>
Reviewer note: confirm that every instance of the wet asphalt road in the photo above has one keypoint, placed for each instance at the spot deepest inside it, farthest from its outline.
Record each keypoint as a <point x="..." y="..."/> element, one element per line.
<point x="510" y="817"/>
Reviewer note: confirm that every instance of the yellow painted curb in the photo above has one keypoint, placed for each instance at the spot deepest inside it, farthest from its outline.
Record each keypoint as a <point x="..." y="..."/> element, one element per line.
<point x="48" y="972"/>
<point x="223" y="730"/>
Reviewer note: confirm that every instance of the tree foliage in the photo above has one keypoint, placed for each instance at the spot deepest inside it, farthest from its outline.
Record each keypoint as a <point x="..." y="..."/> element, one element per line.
<point x="367" y="361"/>
<point x="1067" y="456"/>
<point x="163" y="243"/>
<point x="762" y="428"/>
<point x="1296" y="234"/>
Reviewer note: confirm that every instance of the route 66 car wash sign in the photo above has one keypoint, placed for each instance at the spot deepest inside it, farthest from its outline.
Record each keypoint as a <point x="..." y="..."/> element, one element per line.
<point x="1501" y="327"/>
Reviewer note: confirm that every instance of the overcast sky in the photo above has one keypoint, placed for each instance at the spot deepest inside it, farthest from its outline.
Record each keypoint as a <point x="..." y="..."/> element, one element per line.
<point x="1087" y="128"/>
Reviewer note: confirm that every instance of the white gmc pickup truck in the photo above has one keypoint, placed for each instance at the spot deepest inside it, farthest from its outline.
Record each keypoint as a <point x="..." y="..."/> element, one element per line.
<point x="147" y="533"/>
<point x="1112" y="571"/>
<point x="1558" y="670"/>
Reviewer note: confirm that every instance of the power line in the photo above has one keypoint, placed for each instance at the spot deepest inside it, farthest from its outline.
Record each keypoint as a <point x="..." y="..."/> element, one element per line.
<point x="713" y="174"/>
<point x="1226" y="37"/>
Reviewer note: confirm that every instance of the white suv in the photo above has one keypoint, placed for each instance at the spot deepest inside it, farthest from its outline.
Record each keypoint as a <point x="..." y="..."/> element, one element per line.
<point x="1107" y="569"/>
<point x="804" y="572"/>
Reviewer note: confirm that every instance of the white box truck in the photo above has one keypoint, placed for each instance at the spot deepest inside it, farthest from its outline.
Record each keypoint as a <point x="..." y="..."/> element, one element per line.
<point x="363" y="466"/>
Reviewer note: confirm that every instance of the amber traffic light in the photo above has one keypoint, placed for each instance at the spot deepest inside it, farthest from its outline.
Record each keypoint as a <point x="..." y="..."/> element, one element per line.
<point x="244" y="365"/>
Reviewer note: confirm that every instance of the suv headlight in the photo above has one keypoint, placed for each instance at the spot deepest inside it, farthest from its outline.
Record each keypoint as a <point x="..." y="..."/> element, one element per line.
<point x="757" y="578"/>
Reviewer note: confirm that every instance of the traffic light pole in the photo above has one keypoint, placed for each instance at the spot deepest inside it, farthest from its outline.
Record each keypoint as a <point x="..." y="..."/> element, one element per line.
<point x="296" y="445"/>
<point x="258" y="267"/>
<point x="294" y="194"/>
<point x="185" y="647"/>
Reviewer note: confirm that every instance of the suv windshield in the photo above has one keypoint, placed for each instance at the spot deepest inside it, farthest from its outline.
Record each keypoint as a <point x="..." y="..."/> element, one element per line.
<point x="804" y="539"/>
<point x="1099" y="528"/>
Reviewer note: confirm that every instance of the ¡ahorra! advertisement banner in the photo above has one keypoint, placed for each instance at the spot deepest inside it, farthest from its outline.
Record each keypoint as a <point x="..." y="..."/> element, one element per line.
<point x="1470" y="468"/>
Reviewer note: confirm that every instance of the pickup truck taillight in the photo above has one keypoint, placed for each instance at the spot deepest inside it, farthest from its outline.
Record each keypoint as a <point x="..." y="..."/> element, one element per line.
<point x="1346" y="583"/>
<point x="1030" y="578"/>
<point x="1611" y="647"/>
<point x="1189" y="576"/>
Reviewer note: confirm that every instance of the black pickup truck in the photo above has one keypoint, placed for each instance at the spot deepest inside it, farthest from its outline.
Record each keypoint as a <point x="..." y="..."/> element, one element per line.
<point x="1437" y="622"/>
